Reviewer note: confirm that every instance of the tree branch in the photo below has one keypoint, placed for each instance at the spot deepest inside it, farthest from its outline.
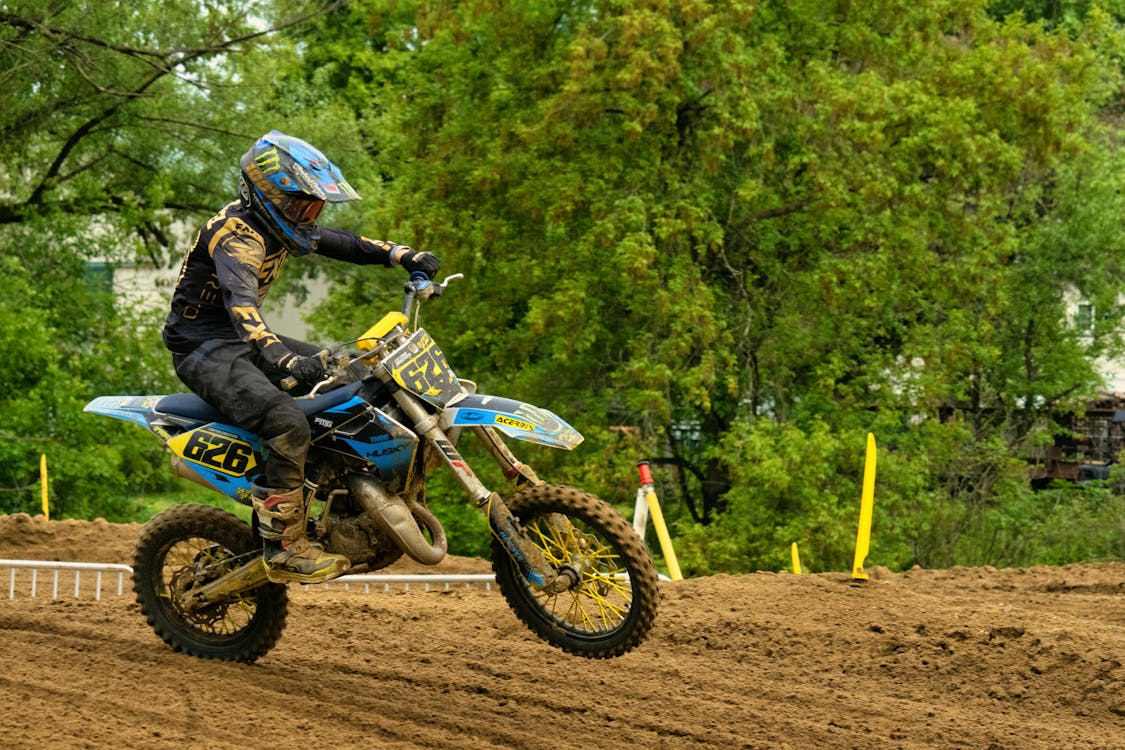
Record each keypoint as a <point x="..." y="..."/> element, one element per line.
<point x="161" y="62"/>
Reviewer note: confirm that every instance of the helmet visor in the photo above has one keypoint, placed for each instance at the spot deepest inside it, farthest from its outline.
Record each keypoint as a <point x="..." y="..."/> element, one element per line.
<point x="303" y="210"/>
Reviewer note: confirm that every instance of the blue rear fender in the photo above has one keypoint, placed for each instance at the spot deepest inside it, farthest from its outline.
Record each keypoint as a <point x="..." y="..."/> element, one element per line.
<point x="136" y="409"/>
<point x="515" y="419"/>
<point x="216" y="455"/>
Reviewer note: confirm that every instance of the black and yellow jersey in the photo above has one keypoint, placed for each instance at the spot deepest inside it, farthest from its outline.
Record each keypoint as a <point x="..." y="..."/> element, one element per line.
<point x="228" y="272"/>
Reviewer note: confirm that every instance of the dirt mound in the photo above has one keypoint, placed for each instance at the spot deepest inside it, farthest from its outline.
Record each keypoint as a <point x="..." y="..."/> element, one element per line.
<point x="961" y="658"/>
<point x="24" y="537"/>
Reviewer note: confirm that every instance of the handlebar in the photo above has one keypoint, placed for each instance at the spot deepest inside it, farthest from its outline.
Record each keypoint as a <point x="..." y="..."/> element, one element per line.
<point x="419" y="288"/>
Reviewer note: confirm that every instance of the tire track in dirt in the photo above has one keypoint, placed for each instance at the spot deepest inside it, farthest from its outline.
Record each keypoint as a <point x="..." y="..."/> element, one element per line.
<point x="971" y="657"/>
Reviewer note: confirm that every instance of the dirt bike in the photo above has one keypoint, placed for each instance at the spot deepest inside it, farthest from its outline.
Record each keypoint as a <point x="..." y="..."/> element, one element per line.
<point x="389" y="412"/>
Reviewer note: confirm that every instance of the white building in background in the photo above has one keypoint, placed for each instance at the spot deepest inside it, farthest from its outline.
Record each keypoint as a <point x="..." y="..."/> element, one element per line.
<point x="1082" y="315"/>
<point x="1113" y="371"/>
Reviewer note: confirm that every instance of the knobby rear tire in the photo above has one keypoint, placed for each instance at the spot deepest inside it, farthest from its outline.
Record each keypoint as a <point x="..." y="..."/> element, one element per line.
<point x="612" y="609"/>
<point x="172" y="548"/>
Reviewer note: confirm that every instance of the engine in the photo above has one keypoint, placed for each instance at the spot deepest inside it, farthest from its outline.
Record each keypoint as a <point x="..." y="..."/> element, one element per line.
<point x="360" y="538"/>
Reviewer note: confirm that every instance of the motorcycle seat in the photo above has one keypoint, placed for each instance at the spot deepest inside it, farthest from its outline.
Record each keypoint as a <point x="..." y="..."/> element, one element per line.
<point x="193" y="407"/>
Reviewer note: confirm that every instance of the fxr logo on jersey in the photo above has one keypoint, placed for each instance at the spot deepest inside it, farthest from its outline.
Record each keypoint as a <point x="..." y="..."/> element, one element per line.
<point x="215" y="450"/>
<point x="270" y="268"/>
<point x="252" y="323"/>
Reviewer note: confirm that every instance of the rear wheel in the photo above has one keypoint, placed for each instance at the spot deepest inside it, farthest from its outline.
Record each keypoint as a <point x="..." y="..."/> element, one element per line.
<point x="188" y="546"/>
<point x="612" y="604"/>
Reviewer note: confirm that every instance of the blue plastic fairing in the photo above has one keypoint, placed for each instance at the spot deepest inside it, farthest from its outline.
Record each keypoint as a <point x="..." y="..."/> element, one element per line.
<point x="515" y="419"/>
<point x="135" y="409"/>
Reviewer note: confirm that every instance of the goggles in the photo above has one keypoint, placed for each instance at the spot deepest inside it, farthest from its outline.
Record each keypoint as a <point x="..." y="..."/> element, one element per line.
<point x="303" y="210"/>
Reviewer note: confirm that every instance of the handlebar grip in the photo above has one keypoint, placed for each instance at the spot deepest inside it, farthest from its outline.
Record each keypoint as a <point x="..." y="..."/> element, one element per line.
<point x="289" y="383"/>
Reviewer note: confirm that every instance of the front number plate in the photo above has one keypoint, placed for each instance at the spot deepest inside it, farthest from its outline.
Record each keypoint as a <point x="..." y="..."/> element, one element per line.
<point x="420" y="367"/>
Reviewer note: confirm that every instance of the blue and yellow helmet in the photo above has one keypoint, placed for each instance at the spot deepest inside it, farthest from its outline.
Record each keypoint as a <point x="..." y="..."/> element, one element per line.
<point x="287" y="182"/>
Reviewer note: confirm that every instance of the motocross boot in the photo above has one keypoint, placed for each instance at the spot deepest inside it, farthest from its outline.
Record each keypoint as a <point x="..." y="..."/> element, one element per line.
<point x="288" y="553"/>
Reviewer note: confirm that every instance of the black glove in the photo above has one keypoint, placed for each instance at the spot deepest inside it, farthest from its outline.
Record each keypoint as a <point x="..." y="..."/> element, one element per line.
<point x="307" y="370"/>
<point x="426" y="262"/>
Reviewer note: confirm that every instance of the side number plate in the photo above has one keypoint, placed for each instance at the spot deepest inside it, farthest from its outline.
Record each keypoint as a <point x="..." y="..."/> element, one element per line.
<point x="215" y="450"/>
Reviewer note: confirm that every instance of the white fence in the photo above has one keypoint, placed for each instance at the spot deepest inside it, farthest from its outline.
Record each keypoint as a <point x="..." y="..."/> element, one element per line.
<point x="428" y="580"/>
<point x="30" y="581"/>
<point x="55" y="569"/>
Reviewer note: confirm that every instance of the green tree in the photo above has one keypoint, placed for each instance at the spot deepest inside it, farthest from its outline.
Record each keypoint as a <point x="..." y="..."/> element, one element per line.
<point x="121" y="110"/>
<point x="1067" y="14"/>
<point x="64" y="343"/>
<point x="119" y="119"/>
<point x="692" y="218"/>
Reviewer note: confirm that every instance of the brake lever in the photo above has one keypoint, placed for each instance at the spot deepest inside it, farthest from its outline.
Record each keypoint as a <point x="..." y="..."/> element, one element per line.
<point x="445" y="282"/>
<point x="290" y="382"/>
<point x="420" y="288"/>
<point x="436" y="289"/>
<point x="316" y="388"/>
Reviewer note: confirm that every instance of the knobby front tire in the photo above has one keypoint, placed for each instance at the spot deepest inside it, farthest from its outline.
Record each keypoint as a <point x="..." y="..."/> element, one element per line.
<point x="613" y="605"/>
<point x="192" y="545"/>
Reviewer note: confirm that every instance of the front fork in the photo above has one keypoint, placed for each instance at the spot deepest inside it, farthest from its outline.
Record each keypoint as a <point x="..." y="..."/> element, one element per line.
<point x="505" y="526"/>
<point x="513" y="468"/>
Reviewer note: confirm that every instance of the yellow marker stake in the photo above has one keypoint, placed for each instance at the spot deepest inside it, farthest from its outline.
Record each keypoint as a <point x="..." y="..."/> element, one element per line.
<point x="658" y="522"/>
<point x="43" y="486"/>
<point x="866" y="508"/>
<point x="796" y="558"/>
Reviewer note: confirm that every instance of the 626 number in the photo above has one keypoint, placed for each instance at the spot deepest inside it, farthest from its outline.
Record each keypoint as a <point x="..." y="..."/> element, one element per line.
<point x="219" y="452"/>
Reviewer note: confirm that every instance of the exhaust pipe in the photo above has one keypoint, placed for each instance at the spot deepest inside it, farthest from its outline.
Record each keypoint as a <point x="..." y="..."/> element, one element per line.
<point x="181" y="469"/>
<point x="397" y="520"/>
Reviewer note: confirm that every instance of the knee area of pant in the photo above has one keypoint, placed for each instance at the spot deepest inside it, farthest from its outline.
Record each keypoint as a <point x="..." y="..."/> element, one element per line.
<point x="285" y="418"/>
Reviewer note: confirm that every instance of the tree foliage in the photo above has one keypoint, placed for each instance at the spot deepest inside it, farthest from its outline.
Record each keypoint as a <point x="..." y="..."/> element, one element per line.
<point x="118" y="119"/>
<point x="711" y="223"/>
<point x="65" y="342"/>
<point x="127" y="113"/>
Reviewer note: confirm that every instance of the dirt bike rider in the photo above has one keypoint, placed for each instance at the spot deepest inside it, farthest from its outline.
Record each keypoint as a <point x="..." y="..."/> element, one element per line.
<point x="224" y="351"/>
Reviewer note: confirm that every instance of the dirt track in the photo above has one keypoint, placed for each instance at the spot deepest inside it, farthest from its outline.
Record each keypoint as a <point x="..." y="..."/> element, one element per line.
<point x="962" y="658"/>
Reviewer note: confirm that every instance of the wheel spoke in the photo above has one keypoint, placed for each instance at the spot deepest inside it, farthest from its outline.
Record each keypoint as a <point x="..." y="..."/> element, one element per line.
<point x="587" y="606"/>
<point x="192" y="562"/>
<point x="608" y="595"/>
<point x="188" y="547"/>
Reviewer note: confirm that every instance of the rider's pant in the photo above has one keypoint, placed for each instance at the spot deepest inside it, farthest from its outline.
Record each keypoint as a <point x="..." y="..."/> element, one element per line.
<point x="231" y="376"/>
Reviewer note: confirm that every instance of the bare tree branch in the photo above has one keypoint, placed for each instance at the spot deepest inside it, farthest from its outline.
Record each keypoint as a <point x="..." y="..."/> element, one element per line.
<point x="161" y="63"/>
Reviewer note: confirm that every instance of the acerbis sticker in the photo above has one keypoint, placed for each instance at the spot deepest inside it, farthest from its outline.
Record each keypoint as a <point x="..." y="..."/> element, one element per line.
<point x="515" y="423"/>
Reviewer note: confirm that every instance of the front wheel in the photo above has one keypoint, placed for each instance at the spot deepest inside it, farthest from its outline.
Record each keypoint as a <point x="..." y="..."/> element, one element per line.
<point x="612" y="604"/>
<point x="188" y="546"/>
